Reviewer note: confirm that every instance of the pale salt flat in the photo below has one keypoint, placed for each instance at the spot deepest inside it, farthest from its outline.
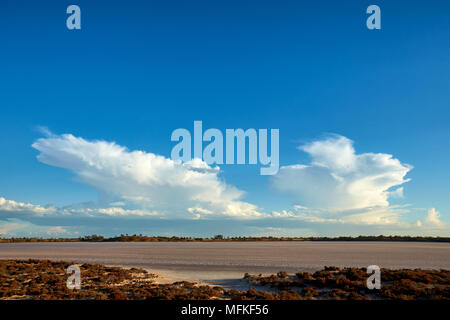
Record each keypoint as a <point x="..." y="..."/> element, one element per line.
<point x="222" y="263"/>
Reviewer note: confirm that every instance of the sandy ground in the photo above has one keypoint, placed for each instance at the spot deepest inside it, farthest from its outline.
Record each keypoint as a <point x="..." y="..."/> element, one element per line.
<point x="227" y="280"/>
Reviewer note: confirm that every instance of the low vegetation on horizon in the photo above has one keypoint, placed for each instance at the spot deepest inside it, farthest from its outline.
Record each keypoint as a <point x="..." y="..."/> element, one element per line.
<point x="221" y="238"/>
<point x="45" y="279"/>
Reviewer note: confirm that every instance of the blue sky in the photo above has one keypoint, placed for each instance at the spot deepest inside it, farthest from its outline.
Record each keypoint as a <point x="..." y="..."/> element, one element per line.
<point x="138" y="70"/>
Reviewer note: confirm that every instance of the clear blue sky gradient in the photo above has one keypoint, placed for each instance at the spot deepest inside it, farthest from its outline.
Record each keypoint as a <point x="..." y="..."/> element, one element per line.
<point x="137" y="70"/>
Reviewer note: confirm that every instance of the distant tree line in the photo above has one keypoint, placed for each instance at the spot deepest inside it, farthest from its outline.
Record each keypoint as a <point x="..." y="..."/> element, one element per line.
<point x="221" y="238"/>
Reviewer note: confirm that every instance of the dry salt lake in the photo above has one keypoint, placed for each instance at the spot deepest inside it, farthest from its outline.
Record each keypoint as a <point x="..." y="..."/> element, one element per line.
<point x="222" y="263"/>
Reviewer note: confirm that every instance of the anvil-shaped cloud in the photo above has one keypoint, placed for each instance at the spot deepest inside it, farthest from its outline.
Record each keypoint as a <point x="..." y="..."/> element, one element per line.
<point x="338" y="179"/>
<point x="145" y="180"/>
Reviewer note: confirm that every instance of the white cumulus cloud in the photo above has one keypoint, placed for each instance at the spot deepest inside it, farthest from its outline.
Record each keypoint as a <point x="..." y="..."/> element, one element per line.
<point x="337" y="178"/>
<point x="14" y="209"/>
<point x="432" y="219"/>
<point x="12" y="206"/>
